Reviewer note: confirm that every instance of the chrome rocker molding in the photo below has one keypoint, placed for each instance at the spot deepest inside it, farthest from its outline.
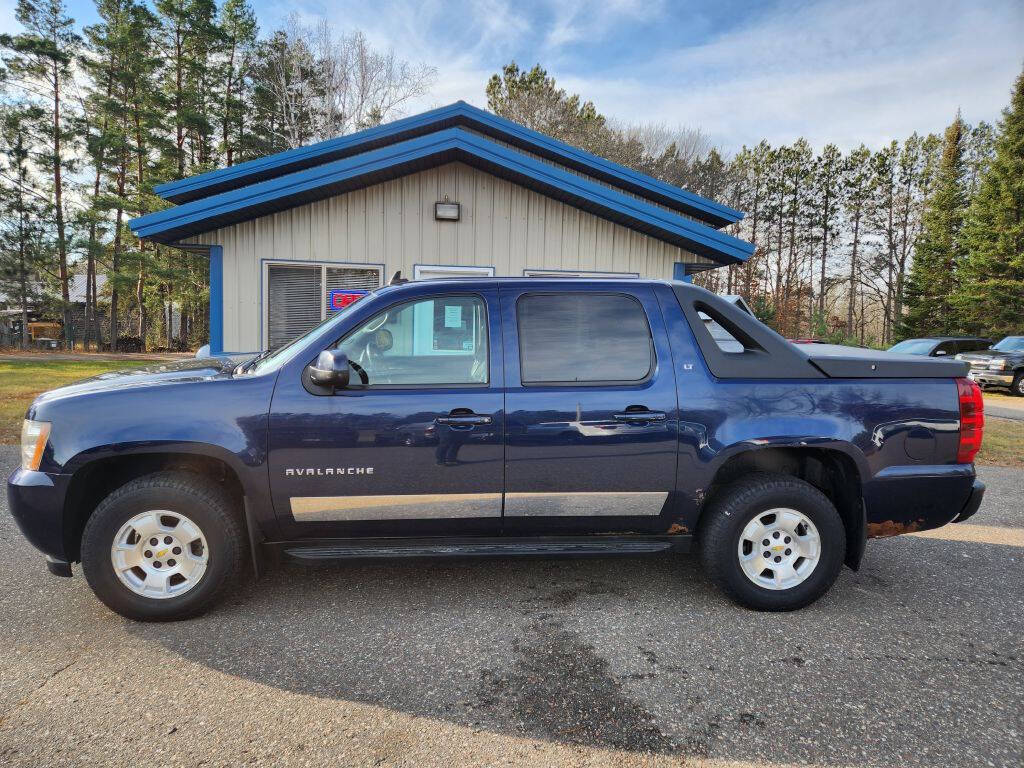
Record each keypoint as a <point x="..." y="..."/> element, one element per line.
<point x="617" y="504"/>
<point x="438" y="506"/>
<point x="320" y="509"/>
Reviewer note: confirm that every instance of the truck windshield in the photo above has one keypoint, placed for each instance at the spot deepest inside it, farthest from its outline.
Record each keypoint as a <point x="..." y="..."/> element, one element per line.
<point x="914" y="347"/>
<point x="1010" y="344"/>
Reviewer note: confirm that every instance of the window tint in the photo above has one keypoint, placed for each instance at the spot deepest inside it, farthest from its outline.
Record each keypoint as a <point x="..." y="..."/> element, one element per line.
<point x="583" y="337"/>
<point x="441" y="340"/>
<point x="947" y="347"/>
<point x="725" y="340"/>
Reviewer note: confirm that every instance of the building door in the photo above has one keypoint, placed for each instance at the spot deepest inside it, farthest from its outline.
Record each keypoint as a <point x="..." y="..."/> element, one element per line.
<point x="296" y="296"/>
<point x="591" y="411"/>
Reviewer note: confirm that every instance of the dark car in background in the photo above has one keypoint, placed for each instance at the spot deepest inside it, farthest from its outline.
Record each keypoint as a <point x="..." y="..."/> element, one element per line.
<point x="941" y="346"/>
<point x="999" y="367"/>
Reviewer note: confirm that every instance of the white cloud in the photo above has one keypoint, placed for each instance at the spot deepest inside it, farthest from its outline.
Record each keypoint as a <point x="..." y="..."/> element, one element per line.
<point x="842" y="72"/>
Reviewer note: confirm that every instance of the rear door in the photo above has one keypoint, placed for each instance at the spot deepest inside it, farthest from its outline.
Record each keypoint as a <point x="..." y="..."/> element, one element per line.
<point x="591" y="410"/>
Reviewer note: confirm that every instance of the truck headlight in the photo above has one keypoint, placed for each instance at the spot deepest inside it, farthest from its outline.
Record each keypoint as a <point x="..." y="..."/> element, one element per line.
<point x="997" y="365"/>
<point x="34" y="435"/>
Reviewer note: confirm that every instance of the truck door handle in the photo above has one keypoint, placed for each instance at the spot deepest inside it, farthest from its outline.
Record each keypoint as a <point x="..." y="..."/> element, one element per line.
<point x="464" y="420"/>
<point x="640" y="417"/>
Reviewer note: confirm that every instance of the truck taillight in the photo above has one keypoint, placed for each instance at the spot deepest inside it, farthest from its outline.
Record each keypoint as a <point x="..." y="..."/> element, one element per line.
<point x="972" y="420"/>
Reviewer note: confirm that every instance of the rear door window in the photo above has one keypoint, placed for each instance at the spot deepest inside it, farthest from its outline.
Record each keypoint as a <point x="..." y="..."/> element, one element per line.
<point x="583" y="338"/>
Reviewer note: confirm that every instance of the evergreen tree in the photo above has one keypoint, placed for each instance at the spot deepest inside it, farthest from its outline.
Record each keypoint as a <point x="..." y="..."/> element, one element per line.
<point x="991" y="293"/>
<point x="941" y="248"/>
<point x="40" y="62"/>
<point x="857" y="196"/>
<point x="23" y="211"/>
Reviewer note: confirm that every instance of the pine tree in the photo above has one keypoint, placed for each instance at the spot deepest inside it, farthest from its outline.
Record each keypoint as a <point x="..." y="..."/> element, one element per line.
<point x="856" y="194"/>
<point x="23" y="211"/>
<point x="991" y="294"/>
<point x="41" y="63"/>
<point x="941" y="248"/>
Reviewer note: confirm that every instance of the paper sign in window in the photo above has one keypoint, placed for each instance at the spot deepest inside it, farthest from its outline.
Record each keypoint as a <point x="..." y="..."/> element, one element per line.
<point x="453" y="316"/>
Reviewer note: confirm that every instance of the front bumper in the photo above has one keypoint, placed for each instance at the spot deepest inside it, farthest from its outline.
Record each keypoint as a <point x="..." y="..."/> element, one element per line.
<point x="990" y="378"/>
<point x="36" y="501"/>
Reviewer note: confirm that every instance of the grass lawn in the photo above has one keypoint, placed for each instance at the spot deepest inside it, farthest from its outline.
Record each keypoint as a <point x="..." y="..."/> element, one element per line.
<point x="22" y="380"/>
<point x="1003" y="442"/>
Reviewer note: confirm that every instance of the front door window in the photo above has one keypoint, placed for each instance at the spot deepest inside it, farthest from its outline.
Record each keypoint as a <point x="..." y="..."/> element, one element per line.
<point x="440" y="341"/>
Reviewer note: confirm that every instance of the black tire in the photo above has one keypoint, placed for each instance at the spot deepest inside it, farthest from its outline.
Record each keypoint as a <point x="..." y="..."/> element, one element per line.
<point x="1017" y="388"/>
<point x="201" y="500"/>
<point x="735" y="506"/>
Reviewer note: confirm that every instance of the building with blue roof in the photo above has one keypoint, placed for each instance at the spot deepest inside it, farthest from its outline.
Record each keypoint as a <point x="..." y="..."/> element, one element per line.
<point x="453" y="191"/>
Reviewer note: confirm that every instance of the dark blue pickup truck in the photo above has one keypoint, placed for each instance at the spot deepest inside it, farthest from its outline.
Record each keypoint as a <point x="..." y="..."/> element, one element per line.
<point x="500" y="417"/>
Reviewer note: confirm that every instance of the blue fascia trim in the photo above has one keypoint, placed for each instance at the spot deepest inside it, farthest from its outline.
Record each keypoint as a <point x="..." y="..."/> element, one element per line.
<point x="458" y="114"/>
<point x="680" y="273"/>
<point x="427" y="151"/>
<point x="216" y="300"/>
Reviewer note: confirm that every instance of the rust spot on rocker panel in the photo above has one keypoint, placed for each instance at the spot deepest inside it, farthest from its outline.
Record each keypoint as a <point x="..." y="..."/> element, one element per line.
<point x="888" y="528"/>
<point x="677" y="528"/>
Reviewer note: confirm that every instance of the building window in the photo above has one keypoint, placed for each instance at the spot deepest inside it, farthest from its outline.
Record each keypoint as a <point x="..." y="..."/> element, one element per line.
<point x="578" y="273"/>
<point x="296" y="295"/>
<point x="584" y="338"/>
<point x="439" y="272"/>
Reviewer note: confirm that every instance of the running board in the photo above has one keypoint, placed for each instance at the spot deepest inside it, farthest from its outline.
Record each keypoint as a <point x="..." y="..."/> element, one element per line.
<point x="348" y="549"/>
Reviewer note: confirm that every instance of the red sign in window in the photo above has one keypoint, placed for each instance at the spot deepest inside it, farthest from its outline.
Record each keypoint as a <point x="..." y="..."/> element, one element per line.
<point x="339" y="298"/>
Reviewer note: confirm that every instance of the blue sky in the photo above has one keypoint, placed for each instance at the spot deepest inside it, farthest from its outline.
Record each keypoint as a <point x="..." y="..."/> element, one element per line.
<point x="831" y="70"/>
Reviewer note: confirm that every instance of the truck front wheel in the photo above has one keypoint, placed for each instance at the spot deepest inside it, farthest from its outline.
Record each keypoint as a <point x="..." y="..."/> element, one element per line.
<point x="162" y="547"/>
<point x="772" y="542"/>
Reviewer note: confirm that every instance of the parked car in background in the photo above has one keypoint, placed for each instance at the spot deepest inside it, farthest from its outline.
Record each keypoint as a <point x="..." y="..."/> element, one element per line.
<point x="941" y="346"/>
<point x="999" y="367"/>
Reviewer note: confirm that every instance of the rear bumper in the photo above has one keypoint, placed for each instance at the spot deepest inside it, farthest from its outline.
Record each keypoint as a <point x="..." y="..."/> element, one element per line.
<point x="905" y="499"/>
<point x="36" y="501"/>
<point x="973" y="502"/>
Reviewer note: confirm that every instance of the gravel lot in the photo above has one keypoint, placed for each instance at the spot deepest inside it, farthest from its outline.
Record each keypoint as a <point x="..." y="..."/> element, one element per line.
<point x="918" y="659"/>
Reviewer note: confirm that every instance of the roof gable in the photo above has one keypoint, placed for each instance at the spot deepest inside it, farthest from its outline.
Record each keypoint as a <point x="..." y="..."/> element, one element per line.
<point x="431" y="150"/>
<point x="453" y="115"/>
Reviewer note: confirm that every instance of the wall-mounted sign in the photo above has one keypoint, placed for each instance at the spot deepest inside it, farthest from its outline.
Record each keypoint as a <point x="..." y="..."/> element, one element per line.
<point x="339" y="298"/>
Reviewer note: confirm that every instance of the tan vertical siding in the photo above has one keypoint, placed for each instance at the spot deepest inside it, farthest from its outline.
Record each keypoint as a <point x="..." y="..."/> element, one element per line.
<point x="503" y="225"/>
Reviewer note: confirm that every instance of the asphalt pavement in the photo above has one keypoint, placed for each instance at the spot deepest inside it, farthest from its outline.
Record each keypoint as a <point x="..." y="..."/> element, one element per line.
<point x="916" y="660"/>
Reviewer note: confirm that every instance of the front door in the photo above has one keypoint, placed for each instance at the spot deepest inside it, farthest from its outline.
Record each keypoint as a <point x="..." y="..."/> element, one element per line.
<point x="591" y="411"/>
<point x="414" y="447"/>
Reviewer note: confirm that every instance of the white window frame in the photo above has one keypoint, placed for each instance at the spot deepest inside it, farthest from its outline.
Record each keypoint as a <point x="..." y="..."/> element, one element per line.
<point x="454" y="271"/>
<point x="578" y="273"/>
<point x="323" y="265"/>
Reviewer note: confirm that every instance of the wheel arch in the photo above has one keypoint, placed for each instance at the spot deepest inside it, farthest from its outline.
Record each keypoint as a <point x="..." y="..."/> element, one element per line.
<point x="96" y="477"/>
<point x="833" y="468"/>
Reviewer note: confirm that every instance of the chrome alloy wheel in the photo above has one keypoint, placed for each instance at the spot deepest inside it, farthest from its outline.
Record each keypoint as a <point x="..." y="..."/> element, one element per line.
<point x="779" y="548"/>
<point x="160" y="554"/>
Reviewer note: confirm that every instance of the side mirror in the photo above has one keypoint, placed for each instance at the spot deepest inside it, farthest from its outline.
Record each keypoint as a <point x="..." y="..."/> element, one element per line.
<point x="940" y="352"/>
<point x="330" y="369"/>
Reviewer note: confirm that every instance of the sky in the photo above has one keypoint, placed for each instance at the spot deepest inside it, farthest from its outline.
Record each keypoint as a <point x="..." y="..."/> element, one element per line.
<point x="845" y="71"/>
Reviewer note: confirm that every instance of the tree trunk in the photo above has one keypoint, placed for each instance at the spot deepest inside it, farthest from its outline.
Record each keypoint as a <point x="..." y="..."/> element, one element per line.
<point x="58" y="201"/>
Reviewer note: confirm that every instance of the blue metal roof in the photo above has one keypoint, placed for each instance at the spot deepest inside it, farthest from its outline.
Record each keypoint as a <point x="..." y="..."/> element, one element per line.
<point x="449" y="145"/>
<point x="457" y="114"/>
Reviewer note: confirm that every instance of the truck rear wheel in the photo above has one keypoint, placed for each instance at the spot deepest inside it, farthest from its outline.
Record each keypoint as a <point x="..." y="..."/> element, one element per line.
<point x="162" y="547"/>
<point x="772" y="542"/>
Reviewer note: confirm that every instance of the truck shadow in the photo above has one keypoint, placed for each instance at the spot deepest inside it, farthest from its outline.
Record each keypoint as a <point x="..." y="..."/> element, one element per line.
<point x="640" y="654"/>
